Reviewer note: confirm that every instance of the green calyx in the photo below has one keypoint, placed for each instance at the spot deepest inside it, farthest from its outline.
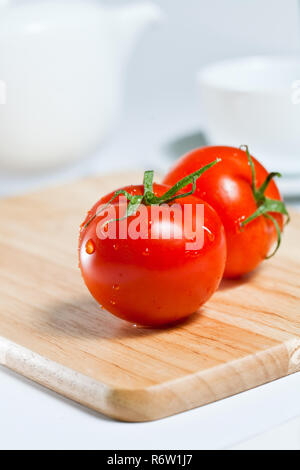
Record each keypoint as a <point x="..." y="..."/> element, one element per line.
<point x="149" y="198"/>
<point x="264" y="204"/>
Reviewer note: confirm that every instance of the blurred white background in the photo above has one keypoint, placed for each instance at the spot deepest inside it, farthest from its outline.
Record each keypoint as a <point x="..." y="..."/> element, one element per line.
<point x="161" y="81"/>
<point x="161" y="100"/>
<point x="161" y="103"/>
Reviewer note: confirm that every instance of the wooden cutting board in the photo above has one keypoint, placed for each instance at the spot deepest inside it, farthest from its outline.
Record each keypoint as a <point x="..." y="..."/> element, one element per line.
<point x="53" y="332"/>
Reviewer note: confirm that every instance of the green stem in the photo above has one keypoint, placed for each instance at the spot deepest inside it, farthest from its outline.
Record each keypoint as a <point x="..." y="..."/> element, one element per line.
<point x="149" y="198"/>
<point x="129" y="196"/>
<point x="168" y="196"/>
<point x="269" y="216"/>
<point x="260" y="192"/>
<point x="265" y="205"/>
<point x="148" y="182"/>
<point x="252" y="168"/>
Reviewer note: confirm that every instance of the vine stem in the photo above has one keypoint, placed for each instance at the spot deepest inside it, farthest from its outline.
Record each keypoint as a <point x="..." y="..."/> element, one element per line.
<point x="149" y="198"/>
<point x="265" y="205"/>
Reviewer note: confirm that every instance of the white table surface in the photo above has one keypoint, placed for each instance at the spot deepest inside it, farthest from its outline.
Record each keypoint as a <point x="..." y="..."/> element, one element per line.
<point x="35" y="418"/>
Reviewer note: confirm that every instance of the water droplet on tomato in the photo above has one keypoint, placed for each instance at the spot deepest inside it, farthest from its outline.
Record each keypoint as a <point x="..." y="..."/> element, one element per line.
<point x="116" y="287"/>
<point x="146" y="252"/>
<point x="113" y="302"/>
<point x="210" y="235"/>
<point x="115" y="246"/>
<point x="238" y="224"/>
<point x="90" y="247"/>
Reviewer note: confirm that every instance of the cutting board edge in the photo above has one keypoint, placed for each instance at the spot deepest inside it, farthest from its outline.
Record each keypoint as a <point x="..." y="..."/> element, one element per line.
<point x="152" y="403"/>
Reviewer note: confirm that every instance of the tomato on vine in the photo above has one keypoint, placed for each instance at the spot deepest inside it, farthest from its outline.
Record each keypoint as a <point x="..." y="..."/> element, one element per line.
<point x="135" y="269"/>
<point x="246" y="198"/>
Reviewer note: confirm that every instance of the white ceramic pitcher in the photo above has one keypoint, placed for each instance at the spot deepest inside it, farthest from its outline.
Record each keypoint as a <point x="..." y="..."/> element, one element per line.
<point x="61" y="67"/>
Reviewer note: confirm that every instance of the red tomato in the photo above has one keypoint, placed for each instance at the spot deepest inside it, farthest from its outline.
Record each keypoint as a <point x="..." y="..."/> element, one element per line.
<point x="151" y="281"/>
<point x="227" y="187"/>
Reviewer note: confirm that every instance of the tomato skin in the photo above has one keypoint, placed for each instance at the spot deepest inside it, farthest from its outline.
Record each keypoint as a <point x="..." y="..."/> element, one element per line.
<point x="152" y="282"/>
<point x="227" y="187"/>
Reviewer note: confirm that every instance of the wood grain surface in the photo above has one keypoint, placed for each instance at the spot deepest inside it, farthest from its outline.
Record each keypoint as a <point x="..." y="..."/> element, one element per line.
<point x="52" y="331"/>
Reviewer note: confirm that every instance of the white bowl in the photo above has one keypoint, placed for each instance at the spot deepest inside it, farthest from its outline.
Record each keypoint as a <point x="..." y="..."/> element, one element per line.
<point x="255" y="101"/>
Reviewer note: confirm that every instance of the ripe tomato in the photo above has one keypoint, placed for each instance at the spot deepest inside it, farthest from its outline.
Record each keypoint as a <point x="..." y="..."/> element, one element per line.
<point x="228" y="188"/>
<point x="151" y="281"/>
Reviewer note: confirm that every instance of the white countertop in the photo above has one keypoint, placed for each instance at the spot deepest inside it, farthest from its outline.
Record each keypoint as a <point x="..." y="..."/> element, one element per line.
<point x="35" y="418"/>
